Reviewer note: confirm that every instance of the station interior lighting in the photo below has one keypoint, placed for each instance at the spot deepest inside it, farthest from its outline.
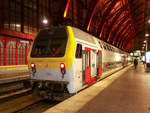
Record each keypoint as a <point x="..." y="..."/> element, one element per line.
<point x="45" y="21"/>
<point x="149" y="21"/>
<point x="131" y="54"/>
<point x="129" y="59"/>
<point x="146" y="34"/>
<point x="18" y="25"/>
<point x="137" y="53"/>
<point x="66" y="9"/>
<point x="144" y="41"/>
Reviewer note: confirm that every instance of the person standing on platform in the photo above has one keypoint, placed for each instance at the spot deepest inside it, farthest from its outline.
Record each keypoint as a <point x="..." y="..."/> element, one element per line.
<point x="135" y="63"/>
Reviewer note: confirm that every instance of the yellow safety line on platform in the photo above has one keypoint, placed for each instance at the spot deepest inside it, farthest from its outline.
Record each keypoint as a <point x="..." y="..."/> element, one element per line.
<point x="14" y="66"/>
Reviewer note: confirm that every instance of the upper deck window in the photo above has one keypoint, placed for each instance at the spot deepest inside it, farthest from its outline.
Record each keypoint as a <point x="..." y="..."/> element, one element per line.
<point x="50" y="43"/>
<point x="100" y="45"/>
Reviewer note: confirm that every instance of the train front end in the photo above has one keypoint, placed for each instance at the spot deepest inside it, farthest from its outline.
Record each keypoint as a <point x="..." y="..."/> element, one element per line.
<point x="50" y="61"/>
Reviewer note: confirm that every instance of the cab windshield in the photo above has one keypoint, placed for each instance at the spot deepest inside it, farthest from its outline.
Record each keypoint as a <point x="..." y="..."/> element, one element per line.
<point x="50" y="43"/>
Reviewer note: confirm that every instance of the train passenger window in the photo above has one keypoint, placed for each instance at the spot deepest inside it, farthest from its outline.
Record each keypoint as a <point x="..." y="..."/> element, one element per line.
<point x="87" y="59"/>
<point x="100" y="45"/>
<point x="111" y="48"/>
<point x="79" y="51"/>
<point x="105" y="47"/>
<point x="108" y="47"/>
<point x="99" y="59"/>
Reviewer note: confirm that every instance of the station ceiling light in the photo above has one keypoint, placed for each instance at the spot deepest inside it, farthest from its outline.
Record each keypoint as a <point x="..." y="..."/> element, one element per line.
<point x="18" y="25"/>
<point x="146" y="34"/>
<point x="45" y="21"/>
<point x="149" y="21"/>
<point x="131" y="54"/>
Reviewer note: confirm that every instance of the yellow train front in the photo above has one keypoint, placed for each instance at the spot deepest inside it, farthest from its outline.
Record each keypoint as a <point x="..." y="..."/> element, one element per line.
<point x="50" y="62"/>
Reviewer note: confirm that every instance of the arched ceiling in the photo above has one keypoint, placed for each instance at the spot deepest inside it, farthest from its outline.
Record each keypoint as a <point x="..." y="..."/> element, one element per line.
<point x="121" y="23"/>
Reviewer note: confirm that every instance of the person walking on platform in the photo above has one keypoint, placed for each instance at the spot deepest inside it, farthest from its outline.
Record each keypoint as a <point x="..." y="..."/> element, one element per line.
<point x="135" y="63"/>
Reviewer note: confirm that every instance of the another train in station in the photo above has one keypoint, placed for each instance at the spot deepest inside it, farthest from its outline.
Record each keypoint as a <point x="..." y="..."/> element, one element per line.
<point x="64" y="60"/>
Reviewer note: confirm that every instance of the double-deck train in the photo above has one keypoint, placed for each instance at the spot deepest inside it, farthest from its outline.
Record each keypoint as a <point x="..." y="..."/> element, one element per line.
<point x="64" y="60"/>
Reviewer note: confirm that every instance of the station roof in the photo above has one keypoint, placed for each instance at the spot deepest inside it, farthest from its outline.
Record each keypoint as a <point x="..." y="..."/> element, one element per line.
<point x="122" y="23"/>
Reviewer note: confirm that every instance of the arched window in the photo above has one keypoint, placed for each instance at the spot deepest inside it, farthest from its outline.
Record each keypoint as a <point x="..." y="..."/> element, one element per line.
<point x="21" y="54"/>
<point x="11" y="52"/>
<point x="1" y="53"/>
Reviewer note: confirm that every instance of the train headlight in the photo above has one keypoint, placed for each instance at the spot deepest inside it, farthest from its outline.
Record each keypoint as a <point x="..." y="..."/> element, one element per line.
<point x="62" y="68"/>
<point x="62" y="65"/>
<point x="33" y="67"/>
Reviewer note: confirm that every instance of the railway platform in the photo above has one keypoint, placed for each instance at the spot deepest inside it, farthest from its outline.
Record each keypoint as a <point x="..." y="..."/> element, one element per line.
<point x="127" y="91"/>
<point x="13" y="73"/>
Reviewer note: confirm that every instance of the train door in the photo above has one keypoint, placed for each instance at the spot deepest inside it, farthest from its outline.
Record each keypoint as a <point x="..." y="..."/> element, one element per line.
<point x="87" y="65"/>
<point x="99" y="63"/>
<point x="94" y="66"/>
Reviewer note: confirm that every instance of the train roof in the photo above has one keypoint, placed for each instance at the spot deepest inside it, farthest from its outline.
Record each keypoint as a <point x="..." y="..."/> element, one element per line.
<point x="82" y="35"/>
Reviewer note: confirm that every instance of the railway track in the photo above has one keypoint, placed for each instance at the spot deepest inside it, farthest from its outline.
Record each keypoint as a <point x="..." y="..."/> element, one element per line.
<point x="37" y="107"/>
<point x="25" y="104"/>
<point x="14" y="88"/>
<point x="16" y="97"/>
